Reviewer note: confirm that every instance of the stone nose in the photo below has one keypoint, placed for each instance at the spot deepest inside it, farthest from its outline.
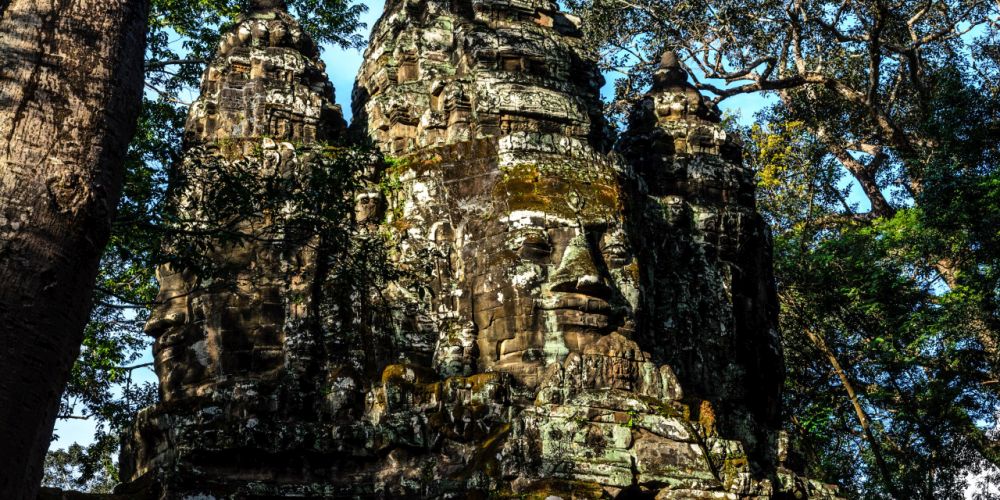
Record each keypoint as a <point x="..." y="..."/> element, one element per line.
<point x="578" y="271"/>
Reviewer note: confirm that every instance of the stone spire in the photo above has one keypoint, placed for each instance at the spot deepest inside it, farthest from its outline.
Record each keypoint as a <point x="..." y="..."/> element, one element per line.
<point x="670" y="73"/>
<point x="675" y="97"/>
<point x="264" y="90"/>
<point x="229" y="343"/>
<point x="266" y="80"/>
<point x="701" y="198"/>
<point x="503" y="68"/>
<point x="267" y="5"/>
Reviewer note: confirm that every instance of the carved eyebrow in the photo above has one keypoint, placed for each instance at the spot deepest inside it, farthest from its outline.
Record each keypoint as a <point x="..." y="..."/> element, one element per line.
<point x="540" y="240"/>
<point x="616" y="250"/>
<point x="614" y="241"/>
<point x="520" y="237"/>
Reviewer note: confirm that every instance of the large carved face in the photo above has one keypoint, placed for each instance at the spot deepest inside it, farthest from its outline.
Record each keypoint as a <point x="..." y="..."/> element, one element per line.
<point x="552" y="271"/>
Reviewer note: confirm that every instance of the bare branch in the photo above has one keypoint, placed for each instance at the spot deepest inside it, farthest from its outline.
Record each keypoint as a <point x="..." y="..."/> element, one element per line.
<point x="156" y="65"/>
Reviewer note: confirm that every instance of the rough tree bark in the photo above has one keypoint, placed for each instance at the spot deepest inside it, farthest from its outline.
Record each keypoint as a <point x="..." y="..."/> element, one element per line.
<point x="70" y="87"/>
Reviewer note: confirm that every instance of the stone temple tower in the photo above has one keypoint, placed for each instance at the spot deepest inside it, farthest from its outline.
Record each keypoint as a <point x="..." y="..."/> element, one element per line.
<point x="496" y="110"/>
<point x="265" y="89"/>
<point x="233" y="326"/>
<point x="710" y="307"/>
<point x="561" y="320"/>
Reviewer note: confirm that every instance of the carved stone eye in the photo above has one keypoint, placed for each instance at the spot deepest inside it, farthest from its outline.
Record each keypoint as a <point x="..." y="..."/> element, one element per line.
<point x="614" y="250"/>
<point x="535" y="246"/>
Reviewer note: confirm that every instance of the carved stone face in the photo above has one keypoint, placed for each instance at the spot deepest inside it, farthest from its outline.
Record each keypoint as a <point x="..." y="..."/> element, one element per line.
<point x="553" y="273"/>
<point x="266" y="83"/>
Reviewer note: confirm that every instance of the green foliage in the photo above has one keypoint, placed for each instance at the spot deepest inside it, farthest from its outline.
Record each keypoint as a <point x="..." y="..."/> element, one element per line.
<point x="918" y="374"/>
<point x="908" y="343"/>
<point x="75" y="468"/>
<point x="106" y="383"/>
<point x="250" y="200"/>
<point x="794" y="178"/>
<point x="330" y="21"/>
<point x="302" y="208"/>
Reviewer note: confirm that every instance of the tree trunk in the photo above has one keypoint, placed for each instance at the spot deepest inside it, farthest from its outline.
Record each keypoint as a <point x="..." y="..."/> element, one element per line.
<point x="70" y="87"/>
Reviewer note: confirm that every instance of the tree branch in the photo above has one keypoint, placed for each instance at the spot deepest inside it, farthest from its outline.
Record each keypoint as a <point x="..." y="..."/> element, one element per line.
<point x="156" y="65"/>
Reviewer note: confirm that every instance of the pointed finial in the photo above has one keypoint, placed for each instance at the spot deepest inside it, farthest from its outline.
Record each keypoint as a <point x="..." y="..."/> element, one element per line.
<point x="670" y="73"/>
<point x="669" y="60"/>
<point x="267" y="5"/>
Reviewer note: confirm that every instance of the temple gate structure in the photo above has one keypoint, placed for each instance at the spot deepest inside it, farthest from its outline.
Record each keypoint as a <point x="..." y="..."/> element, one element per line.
<point x="551" y="314"/>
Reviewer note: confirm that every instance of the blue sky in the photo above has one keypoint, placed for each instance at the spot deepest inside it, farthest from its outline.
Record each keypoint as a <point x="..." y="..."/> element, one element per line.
<point x="342" y="65"/>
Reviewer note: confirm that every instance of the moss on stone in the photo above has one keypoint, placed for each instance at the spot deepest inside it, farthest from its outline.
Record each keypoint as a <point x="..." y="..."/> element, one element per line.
<point x="546" y="488"/>
<point x="547" y="188"/>
<point x="706" y="417"/>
